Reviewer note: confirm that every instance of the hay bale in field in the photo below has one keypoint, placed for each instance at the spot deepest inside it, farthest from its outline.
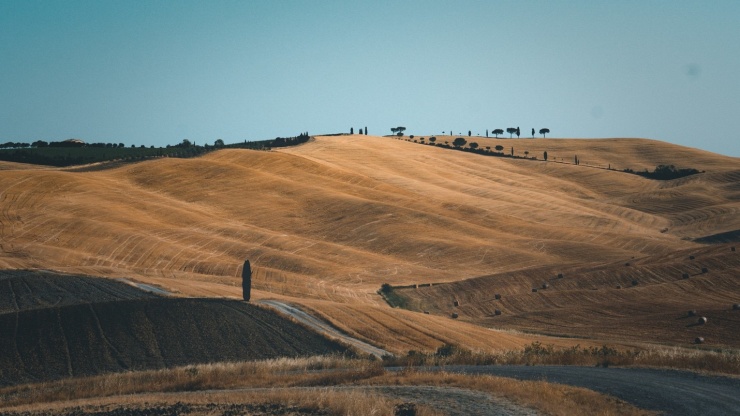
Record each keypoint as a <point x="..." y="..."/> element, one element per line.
<point x="545" y="285"/>
<point x="704" y="270"/>
<point x="404" y="409"/>
<point x="454" y="315"/>
<point x="534" y="290"/>
<point x="560" y="275"/>
<point x="635" y="283"/>
<point x="691" y="312"/>
<point x="699" y="340"/>
<point x="456" y="303"/>
<point x="497" y="312"/>
<point x="426" y="312"/>
<point x="497" y="296"/>
<point x="685" y="276"/>
<point x="702" y="320"/>
<point x="619" y="286"/>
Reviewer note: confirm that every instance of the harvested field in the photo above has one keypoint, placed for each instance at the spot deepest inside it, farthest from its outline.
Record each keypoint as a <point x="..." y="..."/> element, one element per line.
<point x="22" y="290"/>
<point x="88" y="339"/>
<point x="587" y="304"/>
<point x="327" y="223"/>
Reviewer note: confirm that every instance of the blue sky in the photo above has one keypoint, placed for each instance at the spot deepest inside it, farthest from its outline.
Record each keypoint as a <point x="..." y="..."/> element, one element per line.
<point x="157" y="72"/>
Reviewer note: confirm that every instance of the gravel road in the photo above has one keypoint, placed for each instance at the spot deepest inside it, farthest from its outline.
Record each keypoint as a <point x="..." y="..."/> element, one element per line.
<point x="323" y="327"/>
<point x="670" y="391"/>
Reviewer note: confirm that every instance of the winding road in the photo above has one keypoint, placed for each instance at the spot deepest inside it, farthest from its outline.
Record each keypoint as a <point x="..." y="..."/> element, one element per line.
<point x="323" y="327"/>
<point x="673" y="392"/>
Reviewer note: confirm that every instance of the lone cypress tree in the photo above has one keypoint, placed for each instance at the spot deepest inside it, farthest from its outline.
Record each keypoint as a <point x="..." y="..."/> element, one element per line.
<point x="246" y="280"/>
<point x="351" y="130"/>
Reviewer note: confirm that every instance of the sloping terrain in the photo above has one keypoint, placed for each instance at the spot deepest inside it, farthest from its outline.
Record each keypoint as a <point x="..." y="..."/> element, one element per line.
<point x="22" y="290"/>
<point x="88" y="339"/>
<point x="326" y="223"/>
<point x="646" y="299"/>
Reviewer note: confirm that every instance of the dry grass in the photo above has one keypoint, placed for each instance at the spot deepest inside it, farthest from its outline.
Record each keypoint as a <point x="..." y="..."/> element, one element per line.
<point x="548" y="398"/>
<point x="326" y="223"/>
<point x="340" y="402"/>
<point x="287" y="381"/>
<point x="714" y="362"/>
<point x="270" y="373"/>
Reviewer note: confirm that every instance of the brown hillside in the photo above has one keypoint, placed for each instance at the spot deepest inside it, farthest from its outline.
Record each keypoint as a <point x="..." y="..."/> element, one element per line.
<point x="331" y="220"/>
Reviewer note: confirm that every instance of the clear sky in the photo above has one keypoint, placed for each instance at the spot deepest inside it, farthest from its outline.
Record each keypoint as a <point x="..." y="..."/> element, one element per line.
<point x="158" y="72"/>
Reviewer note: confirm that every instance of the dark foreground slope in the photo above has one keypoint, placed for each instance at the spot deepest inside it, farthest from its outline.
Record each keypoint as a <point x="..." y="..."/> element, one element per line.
<point x="87" y="339"/>
<point x="33" y="289"/>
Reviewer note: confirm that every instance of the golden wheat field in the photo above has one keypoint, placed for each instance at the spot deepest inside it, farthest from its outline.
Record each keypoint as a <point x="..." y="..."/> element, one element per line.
<point x="325" y="224"/>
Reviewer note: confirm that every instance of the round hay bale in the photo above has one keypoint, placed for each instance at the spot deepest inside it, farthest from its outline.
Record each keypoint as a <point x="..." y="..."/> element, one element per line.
<point x="454" y="315"/>
<point x="736" y="306"/>
<point x="635" y="283"/>
<point x="497" y="296"/>
<point x="699" y="340"/>
<point x="704" y="270"/>
<point x="702" y="320"/>
<point x="545" y="285"/>
<point x="497" y="312"/>
<point x="456" y="303"/>
<point x="405" y="409"/>
<point x="534" y="290"/>
<point x="691" y="312"/>
<point x="560" y="275"/>
<point x="691" y="257"/>
<point x="685" y="276"/>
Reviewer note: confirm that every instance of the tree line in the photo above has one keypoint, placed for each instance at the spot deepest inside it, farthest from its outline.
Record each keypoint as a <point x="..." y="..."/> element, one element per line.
<point x="76" y="152"/>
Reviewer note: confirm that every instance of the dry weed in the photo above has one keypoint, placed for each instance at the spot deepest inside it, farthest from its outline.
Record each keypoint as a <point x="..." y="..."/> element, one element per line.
<point x="548" y="398"/>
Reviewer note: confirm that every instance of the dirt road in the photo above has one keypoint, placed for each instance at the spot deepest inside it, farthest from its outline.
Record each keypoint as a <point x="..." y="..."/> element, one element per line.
<point x="670" y="391"/>
<point x="324" y="328"/>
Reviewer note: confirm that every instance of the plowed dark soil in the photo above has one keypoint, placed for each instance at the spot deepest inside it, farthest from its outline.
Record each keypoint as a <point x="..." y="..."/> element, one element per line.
<point x="84" y="338"/>
<point x="21" y="290"/>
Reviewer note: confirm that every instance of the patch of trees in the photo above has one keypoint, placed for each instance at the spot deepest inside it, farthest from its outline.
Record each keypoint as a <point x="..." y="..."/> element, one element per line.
<point x="459" y="142"/>
<point x="70" y="153"/>
<point x="398" y="131"/>
<point x="665" y="172"/>
<point x="290" y="141"/>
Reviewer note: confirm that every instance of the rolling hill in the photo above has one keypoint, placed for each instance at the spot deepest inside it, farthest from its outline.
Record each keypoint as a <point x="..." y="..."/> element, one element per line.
<point x="99" y="326"/>
<point x="326" y="223"/>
